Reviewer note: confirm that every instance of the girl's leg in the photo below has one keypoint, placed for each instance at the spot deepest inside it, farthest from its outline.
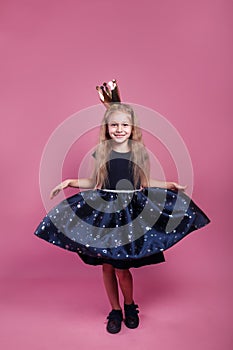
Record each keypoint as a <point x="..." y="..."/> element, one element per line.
<point x="111" y="286"/>
<point x="131" y="312"/>
<point x="126" y="284"/>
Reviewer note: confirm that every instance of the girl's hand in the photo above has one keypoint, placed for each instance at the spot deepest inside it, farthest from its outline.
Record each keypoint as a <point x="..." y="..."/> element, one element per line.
<point x="175" y="186"/>
<point x="58" y="188"/>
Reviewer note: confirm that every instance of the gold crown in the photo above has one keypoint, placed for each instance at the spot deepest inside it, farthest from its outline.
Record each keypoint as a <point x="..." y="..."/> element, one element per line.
<point x="109" y="93"/>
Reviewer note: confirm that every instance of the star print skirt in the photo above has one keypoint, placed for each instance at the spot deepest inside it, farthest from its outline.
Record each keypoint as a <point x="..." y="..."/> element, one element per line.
<point x="123" y="228"/>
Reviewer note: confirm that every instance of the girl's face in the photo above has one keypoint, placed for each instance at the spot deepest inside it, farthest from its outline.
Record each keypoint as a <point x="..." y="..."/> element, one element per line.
<point x="119" y="127"/>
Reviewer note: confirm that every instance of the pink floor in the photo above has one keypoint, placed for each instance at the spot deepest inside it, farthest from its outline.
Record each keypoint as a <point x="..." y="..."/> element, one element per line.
<point x="51" y="300"/>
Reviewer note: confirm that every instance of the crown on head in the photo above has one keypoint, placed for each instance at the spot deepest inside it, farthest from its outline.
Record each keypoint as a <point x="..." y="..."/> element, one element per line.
<point x="109" y="93"/>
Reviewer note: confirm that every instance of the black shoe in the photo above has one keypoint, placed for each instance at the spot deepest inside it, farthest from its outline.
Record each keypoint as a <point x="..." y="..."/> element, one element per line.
<point x="114" y="321"/>
<point x="131" y="316"/>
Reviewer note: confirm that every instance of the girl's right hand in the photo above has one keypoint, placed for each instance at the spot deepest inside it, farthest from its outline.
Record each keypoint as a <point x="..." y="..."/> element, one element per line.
<point x="58" y="188"/>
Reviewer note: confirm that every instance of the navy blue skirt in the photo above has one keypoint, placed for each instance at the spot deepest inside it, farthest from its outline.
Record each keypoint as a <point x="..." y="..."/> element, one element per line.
<point x="122" y="228"/>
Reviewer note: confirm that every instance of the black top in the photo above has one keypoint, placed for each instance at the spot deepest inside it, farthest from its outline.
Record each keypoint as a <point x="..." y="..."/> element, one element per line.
<point x="120" y="172"/>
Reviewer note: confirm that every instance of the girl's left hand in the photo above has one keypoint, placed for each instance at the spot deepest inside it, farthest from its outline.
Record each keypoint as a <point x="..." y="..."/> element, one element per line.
<point x="175" y="186"/>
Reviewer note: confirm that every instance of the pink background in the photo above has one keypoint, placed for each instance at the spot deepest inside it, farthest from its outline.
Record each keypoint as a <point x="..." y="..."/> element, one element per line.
<point x="171" y="56"/>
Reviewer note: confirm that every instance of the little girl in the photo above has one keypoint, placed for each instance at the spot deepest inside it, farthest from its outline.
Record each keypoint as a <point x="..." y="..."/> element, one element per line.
<point x="122" y="219"/>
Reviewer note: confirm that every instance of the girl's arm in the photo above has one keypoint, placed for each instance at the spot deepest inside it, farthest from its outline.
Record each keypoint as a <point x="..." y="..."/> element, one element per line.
<point x="83" y="183"/>
<point x="165" y="184"/>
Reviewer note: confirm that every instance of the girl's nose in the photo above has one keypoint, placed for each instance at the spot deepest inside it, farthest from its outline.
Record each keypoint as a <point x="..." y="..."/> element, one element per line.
<point x="119" y="127"/>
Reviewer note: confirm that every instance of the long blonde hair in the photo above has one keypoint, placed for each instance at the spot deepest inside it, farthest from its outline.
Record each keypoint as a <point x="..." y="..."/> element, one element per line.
<point x="139" y="156"/>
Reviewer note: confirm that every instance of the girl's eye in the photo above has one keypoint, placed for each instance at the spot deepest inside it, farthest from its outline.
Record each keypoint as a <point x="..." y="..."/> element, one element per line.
<point x="115" y="125"/>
